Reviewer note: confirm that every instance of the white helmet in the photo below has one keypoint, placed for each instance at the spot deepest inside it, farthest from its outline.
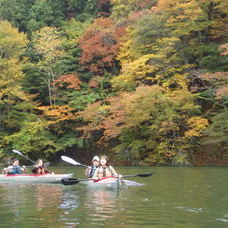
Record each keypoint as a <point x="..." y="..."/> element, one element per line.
<point x="96" y="158"/>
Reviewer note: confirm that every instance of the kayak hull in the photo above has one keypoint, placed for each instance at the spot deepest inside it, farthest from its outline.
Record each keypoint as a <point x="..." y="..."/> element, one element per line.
<point x="33" y="178"/>
<point x="106" y="182"/>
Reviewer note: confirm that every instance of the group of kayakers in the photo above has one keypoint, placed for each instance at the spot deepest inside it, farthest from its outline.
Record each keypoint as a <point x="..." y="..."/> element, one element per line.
<point x="100" y="168"/>
<point x="15" y="168"/>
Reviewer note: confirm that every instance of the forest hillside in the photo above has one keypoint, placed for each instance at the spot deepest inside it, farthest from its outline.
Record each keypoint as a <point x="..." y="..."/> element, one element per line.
<point x="143" y="81"/>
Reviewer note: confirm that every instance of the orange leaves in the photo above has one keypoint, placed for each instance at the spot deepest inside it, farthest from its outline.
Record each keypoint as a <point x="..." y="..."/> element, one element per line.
<point x="56" y="114"/>
<point x="100" y="45"/>
<point x="224" y="49"/>
<point x="69" y="81"/>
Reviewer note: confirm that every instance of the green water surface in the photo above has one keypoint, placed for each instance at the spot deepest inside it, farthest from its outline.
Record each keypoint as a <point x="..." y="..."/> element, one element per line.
<point x="174" y="197"/>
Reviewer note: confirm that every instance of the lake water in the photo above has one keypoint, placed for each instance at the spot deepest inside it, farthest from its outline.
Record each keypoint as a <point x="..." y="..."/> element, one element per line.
<point x="174" y="197"/>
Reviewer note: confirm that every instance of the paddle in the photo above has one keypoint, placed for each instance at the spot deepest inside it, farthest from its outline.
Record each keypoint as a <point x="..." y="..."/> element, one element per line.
<point x="22" y="155"/>
<point x="71" y="181"/>
<point x="72" y="161"/>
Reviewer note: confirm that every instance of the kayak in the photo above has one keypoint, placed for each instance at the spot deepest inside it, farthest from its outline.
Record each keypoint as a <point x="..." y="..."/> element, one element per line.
<point x="105" y="182"/>
<point x="33" y="178"/>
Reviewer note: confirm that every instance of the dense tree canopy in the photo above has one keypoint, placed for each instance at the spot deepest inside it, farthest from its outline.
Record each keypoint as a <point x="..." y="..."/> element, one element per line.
<point x="144" y="81"/>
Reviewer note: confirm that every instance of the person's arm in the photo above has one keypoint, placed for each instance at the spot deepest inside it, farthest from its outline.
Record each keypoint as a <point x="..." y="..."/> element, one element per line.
<point x="24" y="169"/>
<point x="113" y="171"/>
<point x="10" y="170"/>
<point x="35" y="169"/>
<point x="5" y="170"/>
<point x="47" y="171"/>
<point x="87" y="172"/>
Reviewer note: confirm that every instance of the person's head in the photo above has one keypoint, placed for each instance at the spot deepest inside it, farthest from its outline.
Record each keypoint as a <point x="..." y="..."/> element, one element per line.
<point x="15" y="162"/>
<point x="40" y="162"/>
<point x="104" y="160"/>
<point x="96" y="161"/>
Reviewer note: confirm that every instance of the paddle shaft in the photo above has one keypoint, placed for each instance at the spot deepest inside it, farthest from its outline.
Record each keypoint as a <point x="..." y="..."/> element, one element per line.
<point x="84" y="165"/>
<point x="138" y="175"/>
<point x="22" y="155"/>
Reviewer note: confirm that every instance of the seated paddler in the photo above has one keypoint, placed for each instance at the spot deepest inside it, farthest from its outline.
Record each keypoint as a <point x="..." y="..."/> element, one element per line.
<point x="105" y="169"/>
<point x="39" y="168"/>
<point x="90" y="171"/>
<point x="15" y="168"/>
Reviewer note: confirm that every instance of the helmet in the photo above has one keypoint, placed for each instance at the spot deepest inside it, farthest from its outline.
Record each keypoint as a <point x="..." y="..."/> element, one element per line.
<point x="96" y="158"/>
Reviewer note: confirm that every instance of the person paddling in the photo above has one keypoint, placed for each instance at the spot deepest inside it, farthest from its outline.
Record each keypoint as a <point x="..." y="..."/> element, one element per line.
<point x="15" y="168"/>
<point x="39" y="168"/>
<point x="91" y="169"/>
<point x="105" y="169"/>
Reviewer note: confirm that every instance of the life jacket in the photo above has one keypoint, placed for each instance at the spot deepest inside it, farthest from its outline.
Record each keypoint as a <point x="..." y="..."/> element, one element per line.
<point x="103" y="171"/>
<point x="14" y="170"/>
<point x="39" y="170"/>
<point x="92" y="171"/>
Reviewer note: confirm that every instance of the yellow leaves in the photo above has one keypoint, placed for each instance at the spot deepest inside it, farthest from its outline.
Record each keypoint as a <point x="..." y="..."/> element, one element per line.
<point x="197" y="125"/>
<point x="224" y="49"/>
<point x="166" y="45"/>
<point x="10" y="78"/>
<point x="178" y="81"/>
<point x="135" y="71"/>
<point x="126" y="52"/>
<point x="182" y="16"/>
<point x="48" y="43"/>
<point x="12" y="42"/>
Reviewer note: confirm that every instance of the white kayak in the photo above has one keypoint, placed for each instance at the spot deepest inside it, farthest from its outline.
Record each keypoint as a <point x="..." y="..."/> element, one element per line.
<point x="106" y="182"/>
<point x="33" y="178"/>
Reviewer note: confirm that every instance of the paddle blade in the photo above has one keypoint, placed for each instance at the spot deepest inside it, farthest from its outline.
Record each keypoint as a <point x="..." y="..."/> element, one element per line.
<point x="138" y="175"/>
<point x="145" y="174"/>
<point x="69" y="160"/>
<point x="17" y="152"/>
<point x="69" y="181"/>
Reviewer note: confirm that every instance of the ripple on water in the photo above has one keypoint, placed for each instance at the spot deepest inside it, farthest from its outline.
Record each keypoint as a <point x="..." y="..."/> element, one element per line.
<point x="222" y="219"/>
<point x="191" y="209"/>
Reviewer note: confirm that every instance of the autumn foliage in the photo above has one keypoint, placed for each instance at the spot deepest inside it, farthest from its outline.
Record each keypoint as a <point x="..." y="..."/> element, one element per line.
<point x="56" y="114"/>
<point x="100" y="45"/>
<point x="69" y="81"/>
<point x="144" y="81"/>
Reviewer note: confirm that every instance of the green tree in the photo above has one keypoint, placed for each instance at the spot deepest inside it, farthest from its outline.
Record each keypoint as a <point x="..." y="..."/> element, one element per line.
<point x="48" y="44"/>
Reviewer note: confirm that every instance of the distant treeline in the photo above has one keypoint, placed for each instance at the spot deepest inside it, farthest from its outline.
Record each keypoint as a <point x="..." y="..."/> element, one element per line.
<point x="143" y="81"/>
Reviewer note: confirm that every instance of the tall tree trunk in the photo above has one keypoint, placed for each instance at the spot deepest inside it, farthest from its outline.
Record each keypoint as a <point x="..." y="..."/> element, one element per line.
<point x="49" y="91"/>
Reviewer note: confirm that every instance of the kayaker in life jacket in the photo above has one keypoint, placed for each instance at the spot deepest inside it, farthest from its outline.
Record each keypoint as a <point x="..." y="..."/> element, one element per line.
<point x="105" y="169"/>
<point x="91" y="170"/>
<point x="39" y="168"/>
<point x="15" y="168"/>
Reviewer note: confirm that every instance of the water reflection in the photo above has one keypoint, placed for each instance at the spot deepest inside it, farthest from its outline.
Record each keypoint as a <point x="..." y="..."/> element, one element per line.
<point x="82" y="204"/>
<point x="70" y="201"/>
<point x="35" y="201"/>
<point x="102" y="203"/>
